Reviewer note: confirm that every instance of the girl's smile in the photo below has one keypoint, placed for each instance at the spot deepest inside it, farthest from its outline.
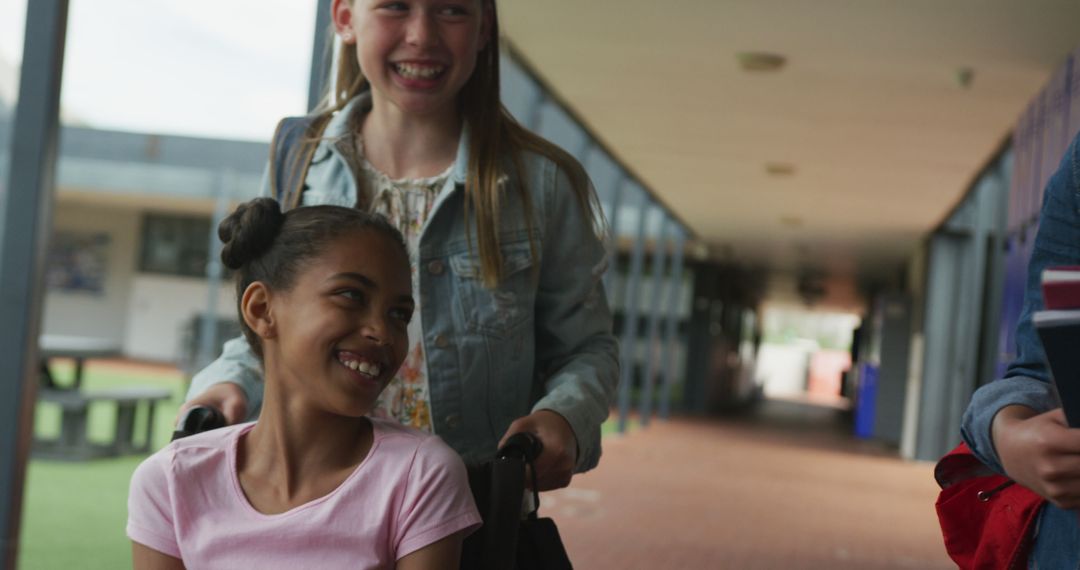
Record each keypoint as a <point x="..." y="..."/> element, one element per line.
<point x="418" y="70"/>
<point x="416" y="54"/>
<point x="360" y="364"/>
<point x="343" y="326"/>
<point x="418" y="76"/>
<point x="367" y="371"/>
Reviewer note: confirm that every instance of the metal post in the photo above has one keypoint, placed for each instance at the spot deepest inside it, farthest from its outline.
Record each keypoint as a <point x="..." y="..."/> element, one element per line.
<point x="658" y="282"/>
<point x="24" y="229"/>
<point x="629" y="334"/>
<point x="938" y="408"/>
<point x="322" y="54"/>
<point x="208" y="339"/>
<point x="613" y="237"/>
<point x="672" y="325"/>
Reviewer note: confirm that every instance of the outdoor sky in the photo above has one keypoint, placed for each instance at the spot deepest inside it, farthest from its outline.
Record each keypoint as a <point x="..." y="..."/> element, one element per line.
<point x="208" y="68"/>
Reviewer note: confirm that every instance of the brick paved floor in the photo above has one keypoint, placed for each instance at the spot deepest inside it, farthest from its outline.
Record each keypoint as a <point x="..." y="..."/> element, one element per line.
<point x="784" y="488"/>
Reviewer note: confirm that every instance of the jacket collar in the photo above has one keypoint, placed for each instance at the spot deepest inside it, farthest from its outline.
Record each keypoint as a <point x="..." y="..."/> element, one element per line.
<point x="338" y="127"/>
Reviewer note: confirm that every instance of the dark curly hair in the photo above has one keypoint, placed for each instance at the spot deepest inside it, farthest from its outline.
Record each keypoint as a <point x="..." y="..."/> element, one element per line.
<point x="262" y="243"/>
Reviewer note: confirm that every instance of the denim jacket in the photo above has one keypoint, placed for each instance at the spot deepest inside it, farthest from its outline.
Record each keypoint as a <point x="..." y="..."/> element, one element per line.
<point x="1027" y="380"/>
<point x="539" y="340"/>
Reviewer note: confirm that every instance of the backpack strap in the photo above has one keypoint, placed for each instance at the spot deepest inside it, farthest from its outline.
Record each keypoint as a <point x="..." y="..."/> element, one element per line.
<point x="289" y="160"/>
<point x="958" y="465"/>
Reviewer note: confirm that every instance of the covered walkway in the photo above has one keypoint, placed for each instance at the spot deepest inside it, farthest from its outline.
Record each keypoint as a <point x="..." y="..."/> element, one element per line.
<point x="784" y="488"/>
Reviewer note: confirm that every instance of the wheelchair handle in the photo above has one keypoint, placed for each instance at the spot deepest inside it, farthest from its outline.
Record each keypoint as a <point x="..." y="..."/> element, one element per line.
<point x="522" y="445"/>
<point x="198" y="419"/>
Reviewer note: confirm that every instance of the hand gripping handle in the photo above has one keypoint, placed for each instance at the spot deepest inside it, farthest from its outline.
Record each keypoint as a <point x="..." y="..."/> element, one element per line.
<point x="198" y="419"/>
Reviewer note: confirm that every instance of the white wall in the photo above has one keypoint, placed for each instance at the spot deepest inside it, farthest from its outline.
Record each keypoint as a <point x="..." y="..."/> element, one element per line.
<point x="160" y="305"/>
<point x="782" y="369"/>
<point x="89" y="314"/>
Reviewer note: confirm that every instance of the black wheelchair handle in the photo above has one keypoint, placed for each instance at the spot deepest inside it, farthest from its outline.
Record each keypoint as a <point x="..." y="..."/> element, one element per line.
<point x="523" y="445"/>
<point x="198" y="419"/>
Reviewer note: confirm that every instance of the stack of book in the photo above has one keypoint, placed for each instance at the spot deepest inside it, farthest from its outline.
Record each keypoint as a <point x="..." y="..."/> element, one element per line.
<point x="1058" y="326"/>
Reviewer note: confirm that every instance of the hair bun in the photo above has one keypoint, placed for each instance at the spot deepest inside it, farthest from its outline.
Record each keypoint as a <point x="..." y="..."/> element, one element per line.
<point x="249" y="231"/>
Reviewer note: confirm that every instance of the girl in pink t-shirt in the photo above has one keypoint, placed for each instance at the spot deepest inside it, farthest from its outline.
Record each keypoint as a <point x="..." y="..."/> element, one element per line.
<point x="325" y="298"/>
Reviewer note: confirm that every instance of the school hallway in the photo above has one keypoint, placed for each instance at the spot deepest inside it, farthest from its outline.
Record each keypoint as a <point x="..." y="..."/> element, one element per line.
<point x="785" y="487"/>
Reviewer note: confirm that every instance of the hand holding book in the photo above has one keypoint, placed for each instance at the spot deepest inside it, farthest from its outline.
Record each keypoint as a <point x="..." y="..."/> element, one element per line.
<point x="1058" y="326"/>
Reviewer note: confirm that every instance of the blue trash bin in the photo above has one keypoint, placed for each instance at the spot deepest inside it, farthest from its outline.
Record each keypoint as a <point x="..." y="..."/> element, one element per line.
<point x="866" y="400"/>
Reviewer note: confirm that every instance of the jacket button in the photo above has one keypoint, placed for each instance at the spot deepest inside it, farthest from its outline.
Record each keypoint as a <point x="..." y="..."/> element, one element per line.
<point x="453" y="421"/>
<point x="436" y="267"/>
<point x="441" y="341"/>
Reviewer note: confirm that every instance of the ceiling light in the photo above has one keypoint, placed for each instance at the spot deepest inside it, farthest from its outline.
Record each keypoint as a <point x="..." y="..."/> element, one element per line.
<point x="760" y="61"/>
<point x="779" y="168"/>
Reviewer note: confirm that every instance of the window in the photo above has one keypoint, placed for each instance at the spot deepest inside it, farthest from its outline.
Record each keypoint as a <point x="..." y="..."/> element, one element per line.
<point x="174" y="245"/>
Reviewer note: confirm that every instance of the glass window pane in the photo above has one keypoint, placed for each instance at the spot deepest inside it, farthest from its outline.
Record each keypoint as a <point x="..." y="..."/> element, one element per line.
<point x="518" y="92"/>
<point x="12" y="30"/>
<point x="634" y="202"/>
<point x="167" y="108"/>
<point x="654" y="224"/>
<point x="605" y="174"/>
<point x="192" y="67"/>
<point x="557" y="127"/>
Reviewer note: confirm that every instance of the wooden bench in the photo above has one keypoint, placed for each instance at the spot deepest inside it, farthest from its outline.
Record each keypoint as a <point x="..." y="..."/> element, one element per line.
<point x="72" y="444"/>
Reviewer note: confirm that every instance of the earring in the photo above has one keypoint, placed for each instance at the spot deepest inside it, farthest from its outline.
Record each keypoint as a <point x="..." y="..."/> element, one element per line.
<point x="346" y="36"/>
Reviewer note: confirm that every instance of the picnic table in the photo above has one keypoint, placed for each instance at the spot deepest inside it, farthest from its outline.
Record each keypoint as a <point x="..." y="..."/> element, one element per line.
<point x="77" y="348"/>
<point x="74" y="402"/>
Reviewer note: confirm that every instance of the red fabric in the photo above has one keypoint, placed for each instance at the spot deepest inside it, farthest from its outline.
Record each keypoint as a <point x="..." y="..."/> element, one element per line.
<point x="995" y="533"/>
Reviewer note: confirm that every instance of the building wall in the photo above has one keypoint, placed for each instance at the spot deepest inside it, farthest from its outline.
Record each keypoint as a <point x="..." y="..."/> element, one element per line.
<point x="143" y="313"/>
<point x="90" y="314"/>
<point x="160" y="307"/>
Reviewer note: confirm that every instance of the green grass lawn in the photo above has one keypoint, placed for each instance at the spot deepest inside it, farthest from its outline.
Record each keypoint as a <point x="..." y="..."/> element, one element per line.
<point x="74" y="512"/>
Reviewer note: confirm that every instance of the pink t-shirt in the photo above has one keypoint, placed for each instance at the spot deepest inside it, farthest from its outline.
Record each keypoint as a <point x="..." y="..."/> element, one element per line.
<point x="410" y="491"/>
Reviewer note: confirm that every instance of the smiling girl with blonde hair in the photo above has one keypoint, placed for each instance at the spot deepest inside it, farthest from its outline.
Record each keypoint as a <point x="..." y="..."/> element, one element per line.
<point x="502" y="228"/>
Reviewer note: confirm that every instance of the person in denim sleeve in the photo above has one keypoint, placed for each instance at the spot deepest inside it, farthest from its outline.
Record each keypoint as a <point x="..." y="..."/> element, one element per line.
<point x="1015" y="424"/>
<point x="503" y="230"/>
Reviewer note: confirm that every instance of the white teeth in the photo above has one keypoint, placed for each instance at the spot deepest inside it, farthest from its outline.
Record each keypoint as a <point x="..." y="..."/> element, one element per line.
<point x="418" y="71"/>
<point x="363" y="367"/>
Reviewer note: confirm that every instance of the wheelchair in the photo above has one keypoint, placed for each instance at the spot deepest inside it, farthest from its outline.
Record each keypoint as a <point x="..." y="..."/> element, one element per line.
<point x="498" y="487"/>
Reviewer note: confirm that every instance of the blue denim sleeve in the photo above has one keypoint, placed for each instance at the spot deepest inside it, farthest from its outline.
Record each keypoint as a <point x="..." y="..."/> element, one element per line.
<point x="239" y="365"/>
<point x="575" y="347"/>
<point x="1027" y="381"/>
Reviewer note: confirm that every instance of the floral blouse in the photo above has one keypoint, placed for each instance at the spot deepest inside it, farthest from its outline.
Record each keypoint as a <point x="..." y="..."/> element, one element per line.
<point x="406" y="203"/>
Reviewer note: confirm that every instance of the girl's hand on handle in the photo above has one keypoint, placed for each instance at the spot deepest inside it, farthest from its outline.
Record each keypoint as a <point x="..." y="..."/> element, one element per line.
<point x="1040" y="452"/>
<point x="226" y="397"/>
<point x="555" y="466"/>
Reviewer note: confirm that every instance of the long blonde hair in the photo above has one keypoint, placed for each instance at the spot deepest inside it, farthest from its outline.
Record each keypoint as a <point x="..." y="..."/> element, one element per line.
<point x="493" y="135"/>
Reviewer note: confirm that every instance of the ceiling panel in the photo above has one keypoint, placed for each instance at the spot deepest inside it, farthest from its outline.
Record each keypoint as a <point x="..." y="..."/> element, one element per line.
<point x="868" y="110"/>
